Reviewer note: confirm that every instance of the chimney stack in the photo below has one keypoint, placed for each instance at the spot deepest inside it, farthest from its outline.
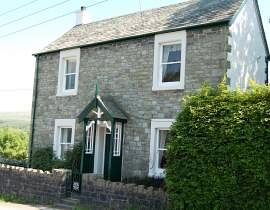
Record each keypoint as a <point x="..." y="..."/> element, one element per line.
<point x="82" y="16"/>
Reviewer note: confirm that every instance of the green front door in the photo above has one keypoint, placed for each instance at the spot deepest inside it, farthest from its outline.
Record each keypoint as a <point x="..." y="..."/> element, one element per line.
<point x="89" y="149"/>
<point x="116" y="166"/>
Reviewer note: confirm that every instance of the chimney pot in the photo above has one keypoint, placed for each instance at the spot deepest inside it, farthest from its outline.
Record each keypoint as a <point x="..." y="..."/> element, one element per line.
<point x="82" y="16"/>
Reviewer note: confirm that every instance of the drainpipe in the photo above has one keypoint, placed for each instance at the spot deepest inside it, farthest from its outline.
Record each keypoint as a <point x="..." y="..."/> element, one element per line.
<point x="33" y="114"/>
<point x="267" y="59"/>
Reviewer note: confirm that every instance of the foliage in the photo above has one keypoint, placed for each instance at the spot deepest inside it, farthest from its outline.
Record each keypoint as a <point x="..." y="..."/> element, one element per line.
<point x="44" y="158"/>
<point x="73" y="157"/>
<point x="218" y="154"/>
<point x="13" y="143"/>
<point x="146" y="181"/>
<point x="12" y="162"/>
<point x="15" y="199"/>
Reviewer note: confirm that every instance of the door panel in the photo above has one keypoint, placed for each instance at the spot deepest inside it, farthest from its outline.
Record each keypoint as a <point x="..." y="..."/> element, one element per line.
<point x="116" y="165"/>
<point x="106" y="158"/>
<point x="88" y="163"/>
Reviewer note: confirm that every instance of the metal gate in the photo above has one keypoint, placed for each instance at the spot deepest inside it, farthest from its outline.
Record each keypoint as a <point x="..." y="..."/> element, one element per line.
<point x="76" y="177"/>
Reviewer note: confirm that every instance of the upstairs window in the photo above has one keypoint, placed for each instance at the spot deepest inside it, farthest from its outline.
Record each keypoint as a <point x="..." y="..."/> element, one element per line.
<point x="68" y="72"/>
<point x="169" y="61"/>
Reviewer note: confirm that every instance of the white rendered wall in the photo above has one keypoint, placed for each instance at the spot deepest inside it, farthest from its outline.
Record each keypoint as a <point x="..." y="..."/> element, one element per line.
<point x="247" y="55"/>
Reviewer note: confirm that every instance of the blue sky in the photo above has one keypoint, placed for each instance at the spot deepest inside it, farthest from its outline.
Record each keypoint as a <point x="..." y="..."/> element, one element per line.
<point x="17" y="69"/>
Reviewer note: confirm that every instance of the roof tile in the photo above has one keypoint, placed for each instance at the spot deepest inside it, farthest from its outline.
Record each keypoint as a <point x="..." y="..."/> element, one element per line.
<point x="188" y="14"/>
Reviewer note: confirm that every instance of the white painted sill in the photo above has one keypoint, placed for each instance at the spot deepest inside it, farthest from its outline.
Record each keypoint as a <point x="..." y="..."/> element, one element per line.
<point x="158" y="88"/>
<point x="67" y="93"/>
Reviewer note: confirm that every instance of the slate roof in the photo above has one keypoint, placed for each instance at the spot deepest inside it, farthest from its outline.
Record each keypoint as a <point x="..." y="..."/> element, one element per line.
<point x="183" y="15"/>
<point x="106" y="103"/>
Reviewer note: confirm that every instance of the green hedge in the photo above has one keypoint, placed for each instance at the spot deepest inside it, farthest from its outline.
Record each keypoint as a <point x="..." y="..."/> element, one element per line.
<point x="44" y="158"/>
<point x="13" y="143"/>
<point x="219" y="151"/>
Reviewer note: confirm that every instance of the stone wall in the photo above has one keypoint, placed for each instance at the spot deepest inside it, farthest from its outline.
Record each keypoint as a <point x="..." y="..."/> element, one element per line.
<point x="32" y="184"/>
<point x="124" y="70"/>
<point x="115" y="195"/>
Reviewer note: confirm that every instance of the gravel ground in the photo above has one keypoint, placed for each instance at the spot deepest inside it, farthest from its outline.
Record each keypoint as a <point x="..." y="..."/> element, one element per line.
<point x="15" y="206"/>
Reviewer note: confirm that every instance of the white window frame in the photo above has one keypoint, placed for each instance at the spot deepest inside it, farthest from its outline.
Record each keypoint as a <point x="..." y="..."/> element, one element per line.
<point x="117" y="140"/>
<point x="90" y="132"/>
<point x="178" y="37"/>
<point x="73" y="54"/>
<point x="62" y="123"/>
<point x="156" y="125"/>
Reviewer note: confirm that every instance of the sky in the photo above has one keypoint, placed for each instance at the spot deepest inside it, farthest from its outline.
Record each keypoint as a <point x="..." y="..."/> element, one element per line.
<point x="17" y="63"/>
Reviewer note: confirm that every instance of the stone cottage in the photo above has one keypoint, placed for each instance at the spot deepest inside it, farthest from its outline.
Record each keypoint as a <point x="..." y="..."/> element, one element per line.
<point x="115" y="85"/>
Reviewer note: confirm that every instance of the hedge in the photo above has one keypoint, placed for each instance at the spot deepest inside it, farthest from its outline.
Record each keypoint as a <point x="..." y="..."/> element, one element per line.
<point x="219" y="150"/>
<point x="45" y="159"/>
<point x="13" y="143"/>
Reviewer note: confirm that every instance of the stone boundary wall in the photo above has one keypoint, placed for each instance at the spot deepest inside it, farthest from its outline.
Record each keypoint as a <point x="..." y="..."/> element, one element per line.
<point x="32" y="184"/>
<point x="120" y="196"/>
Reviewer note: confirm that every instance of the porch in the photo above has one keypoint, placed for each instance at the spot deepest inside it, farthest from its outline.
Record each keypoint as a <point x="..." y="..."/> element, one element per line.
<point x="103" y="123"/>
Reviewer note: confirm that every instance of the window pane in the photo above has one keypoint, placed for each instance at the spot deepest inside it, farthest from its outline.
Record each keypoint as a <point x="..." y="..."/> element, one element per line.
<point x="70" y="66"/>
<point x="171" y="72"/>
<point x="117" y="140"/>
<point x="90" y="138"/>
<point x="70" y="81"/>
<point x="163" y="138"/>
<point x="66" y="135"/>
<point x="162" y="160"/>
<point x="171" y="53"/>
<point x="64" y="149"/>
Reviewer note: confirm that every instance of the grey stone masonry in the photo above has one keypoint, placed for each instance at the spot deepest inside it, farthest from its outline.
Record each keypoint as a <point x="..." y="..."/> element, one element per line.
<point x="119" y="196"/>
<point x="124" y="70"/>
<point x="33" y="185"/>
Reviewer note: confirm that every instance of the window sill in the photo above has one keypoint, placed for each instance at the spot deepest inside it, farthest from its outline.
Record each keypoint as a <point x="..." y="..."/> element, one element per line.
<point x="67" y="93"/>
<point x="160" y="173"/>
<point x="158" y="88"/>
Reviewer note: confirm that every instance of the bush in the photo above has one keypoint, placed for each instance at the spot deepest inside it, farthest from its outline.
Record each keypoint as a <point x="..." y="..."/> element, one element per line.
<point x="146" y="181"/>
<point x="72" y="158"/>
<point x="218" y="154"/>
<point x="13" y="143"/>
<point x="45" y="159"/>
<point x="12" y="162"/>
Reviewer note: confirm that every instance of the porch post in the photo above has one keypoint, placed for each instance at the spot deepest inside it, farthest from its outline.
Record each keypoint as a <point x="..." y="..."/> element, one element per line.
<point x="111" y="150"/>
<point x="83" y="145"/>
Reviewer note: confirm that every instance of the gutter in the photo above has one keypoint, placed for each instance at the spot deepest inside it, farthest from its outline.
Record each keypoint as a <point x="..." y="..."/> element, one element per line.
<point x="33" y="114"/>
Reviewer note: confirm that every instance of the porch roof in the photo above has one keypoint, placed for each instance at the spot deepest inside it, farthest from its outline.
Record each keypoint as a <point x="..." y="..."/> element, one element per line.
<point x="107" y="105"/>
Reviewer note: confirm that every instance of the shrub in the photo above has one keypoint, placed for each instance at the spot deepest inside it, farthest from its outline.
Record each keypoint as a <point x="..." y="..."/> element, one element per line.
<point x="72" y="158"/>
<point x="44" y="158"/>
<point x="218" y="154"/>
<point x="21" y="163"/>
<point x="146" y="181"/>
<point x="13" y="143"/>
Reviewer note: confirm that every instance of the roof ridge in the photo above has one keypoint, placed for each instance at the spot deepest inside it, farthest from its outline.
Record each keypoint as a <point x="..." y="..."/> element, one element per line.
<point x="138" y="12"/>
